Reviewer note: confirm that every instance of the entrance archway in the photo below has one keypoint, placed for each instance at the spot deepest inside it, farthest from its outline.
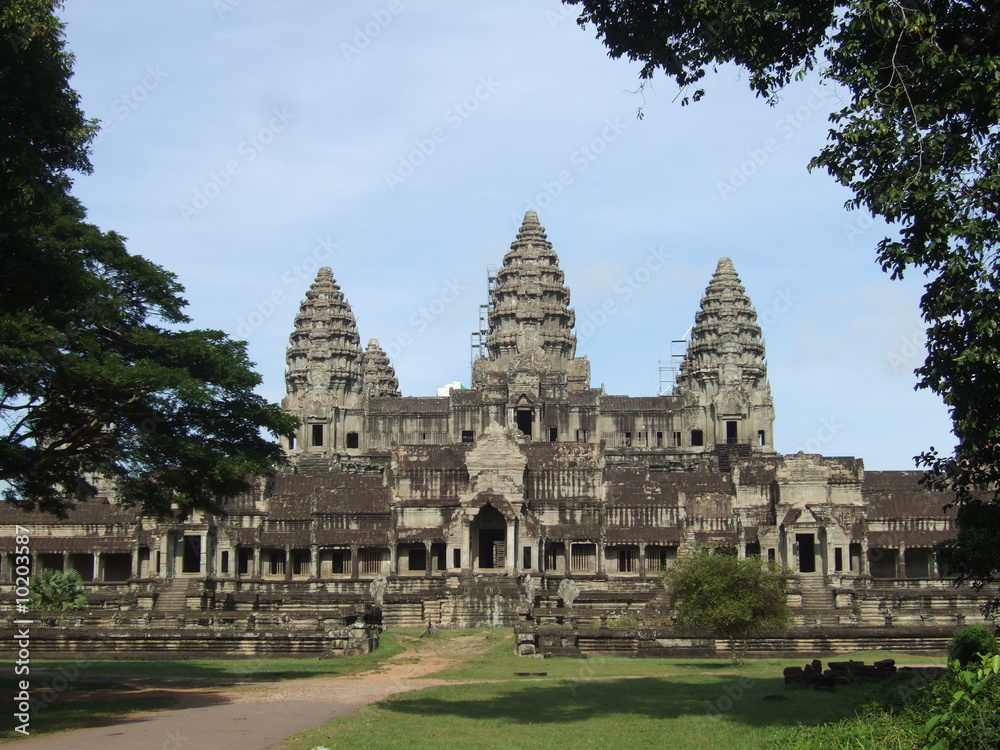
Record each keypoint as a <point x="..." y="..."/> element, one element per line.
<point x="488" y="539"/>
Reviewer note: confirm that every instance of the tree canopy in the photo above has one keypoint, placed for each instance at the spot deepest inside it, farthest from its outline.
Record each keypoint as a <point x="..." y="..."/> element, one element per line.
<point x="918" y="143"/>
<point x="729" y="596"/>
<point x="100" y="377"/>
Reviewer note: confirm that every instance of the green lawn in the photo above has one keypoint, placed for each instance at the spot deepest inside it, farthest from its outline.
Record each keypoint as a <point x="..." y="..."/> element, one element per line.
<point x="597" y="702"/>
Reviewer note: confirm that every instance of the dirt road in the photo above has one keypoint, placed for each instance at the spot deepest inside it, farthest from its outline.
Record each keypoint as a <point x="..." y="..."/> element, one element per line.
<point x="261" y="715"/>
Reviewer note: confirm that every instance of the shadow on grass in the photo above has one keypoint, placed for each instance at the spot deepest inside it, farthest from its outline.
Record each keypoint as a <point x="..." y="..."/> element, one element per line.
<point x="747" y="700"/>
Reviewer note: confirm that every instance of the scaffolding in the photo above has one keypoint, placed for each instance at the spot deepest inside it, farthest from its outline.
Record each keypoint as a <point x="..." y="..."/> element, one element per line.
<point x="670" y="368"/>
<point x="477" y="339"/>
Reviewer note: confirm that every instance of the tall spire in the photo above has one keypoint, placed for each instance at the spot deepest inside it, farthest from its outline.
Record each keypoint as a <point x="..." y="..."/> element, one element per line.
<point x="324" y="358"/>
<point x="723" y="378"/>
<point x="380" y="377"/>
<point x="530" y="317"/>
<point x="726" y="345"/>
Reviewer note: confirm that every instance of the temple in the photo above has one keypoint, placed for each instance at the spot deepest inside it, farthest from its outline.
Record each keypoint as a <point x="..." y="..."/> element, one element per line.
<point x="464" y="509"/>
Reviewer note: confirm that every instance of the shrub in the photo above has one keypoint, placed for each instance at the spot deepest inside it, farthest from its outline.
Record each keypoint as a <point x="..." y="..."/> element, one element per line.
<point x="970" y="640"/>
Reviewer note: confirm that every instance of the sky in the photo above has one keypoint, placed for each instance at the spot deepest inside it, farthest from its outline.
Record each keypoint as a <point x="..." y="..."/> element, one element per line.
<point x="247" y="143"/>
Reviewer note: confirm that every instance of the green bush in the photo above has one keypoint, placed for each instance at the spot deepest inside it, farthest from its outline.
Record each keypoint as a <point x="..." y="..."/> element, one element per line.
<point x="965" y="709"/>
<point x="970" y="640"/>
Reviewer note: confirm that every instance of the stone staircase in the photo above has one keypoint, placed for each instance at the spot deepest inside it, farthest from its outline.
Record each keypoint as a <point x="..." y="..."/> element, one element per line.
<point x="818" y="601"/>
<point x="173" y="598"/>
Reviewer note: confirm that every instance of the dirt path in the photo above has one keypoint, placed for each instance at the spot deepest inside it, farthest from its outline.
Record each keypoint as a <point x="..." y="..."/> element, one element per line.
<point x="261" y="715"/>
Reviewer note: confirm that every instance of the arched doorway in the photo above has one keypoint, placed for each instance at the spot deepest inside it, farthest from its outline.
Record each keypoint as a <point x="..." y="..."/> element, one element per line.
<point x="489" y="539"/>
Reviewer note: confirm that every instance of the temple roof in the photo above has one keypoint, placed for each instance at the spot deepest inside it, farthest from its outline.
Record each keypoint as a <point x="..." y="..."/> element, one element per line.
<point x="325" y="350"/>
<point x="530" y="317"/>
<point x="726" y="344"/>
<point x="380" y="377"/>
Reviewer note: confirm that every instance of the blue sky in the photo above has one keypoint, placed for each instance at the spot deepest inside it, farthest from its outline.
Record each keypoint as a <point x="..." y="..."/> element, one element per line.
<point x="246" y="143"/>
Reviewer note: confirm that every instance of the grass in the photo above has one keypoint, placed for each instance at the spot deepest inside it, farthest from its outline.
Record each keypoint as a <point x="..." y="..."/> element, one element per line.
<point x="68" y="713"/>
<point x="62" y="689"/>
<point x="598" y="702"/>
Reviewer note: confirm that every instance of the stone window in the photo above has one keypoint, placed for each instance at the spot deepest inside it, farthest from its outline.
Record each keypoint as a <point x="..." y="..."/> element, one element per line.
<point x="553" y="434"/>
<point x="526" y="558"/>
<point x="370" y="561"/>
<point x="117" y="566"/>
<point x="301" y="560"/>
<point x="917" y="561"/>
<point x="581" y="436"/>
<point x="352" y="440"/>
<point x="838" y="559"/>
<point x="468" y="436"/>
<point x="659" y="440"/>
<point x="224" y="562"/>
<point x="291" y="443"/>
<point x="697" y="437"/>
<point x="677" y="439"/>
<point x="761" y="441"/>
<point x="317" y="435"/>
<point x="583" y="558"/>
<point x="628" y="559"/>
<point x="245" y="557"/>
<point x="456" y="558"/>
<point x="416" y="559"/>
<point x="659" y="557"/>
<point x="883" y="563"/>
<point x="555" y="555"/>
<point x="276" y="562"/>
<point x="752" y="549"/>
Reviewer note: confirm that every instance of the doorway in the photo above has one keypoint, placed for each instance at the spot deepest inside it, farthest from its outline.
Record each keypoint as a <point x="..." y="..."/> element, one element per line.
<point x="192" y="554"/>
<point x="489" y="539"/>
<point x="806" y="545"/>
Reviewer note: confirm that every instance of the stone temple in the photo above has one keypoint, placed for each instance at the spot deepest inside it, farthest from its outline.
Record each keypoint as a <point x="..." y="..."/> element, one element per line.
<point x="462" y="509"/>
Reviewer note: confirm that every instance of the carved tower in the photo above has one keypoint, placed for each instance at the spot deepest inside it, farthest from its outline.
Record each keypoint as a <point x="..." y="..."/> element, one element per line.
<point x="723" y="377"/>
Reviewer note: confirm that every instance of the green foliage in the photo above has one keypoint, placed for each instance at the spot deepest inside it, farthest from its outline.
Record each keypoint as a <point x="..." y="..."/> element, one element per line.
<point x="98" y="374"/>
<point x="969" y="641"/>
<point x="966" y="713"/>
<point x="918" y="144"/>
<point x="53" y="590"/>
<point x="729" y="596"/>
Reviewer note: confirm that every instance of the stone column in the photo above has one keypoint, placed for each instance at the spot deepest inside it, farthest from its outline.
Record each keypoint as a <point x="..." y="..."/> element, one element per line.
<point x="602" y="563"/>
<point x="901" y="561"/>
<point x="466" y="543"/>
<point x="98" y="566"/>
<point x="568" y="558"/>
<point x="288" y="562"/>
<point x="314" y="561"/>
<point x="642" y="561"/>
<point x="204" y="561"/>
<point x="257" y="562"/>
<point x="135" y="561"/>
<point x="511" y="542"/>
<point x="355" y="562"/>
<point x="66" y="561"/>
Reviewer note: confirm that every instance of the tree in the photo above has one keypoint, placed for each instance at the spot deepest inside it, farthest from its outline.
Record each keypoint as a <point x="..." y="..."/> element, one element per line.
<point x="918" y="143"/>
<point x="98" y="376"/>
<point x="730" y="596"/>
<point x="53" y="590"/>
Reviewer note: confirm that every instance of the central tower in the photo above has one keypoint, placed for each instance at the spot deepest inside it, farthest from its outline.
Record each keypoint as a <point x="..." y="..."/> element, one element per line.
<point x="530" y="345"/>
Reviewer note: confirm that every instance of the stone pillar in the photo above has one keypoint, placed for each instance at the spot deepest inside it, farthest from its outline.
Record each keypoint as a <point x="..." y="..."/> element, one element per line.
<point x="511" y="542"/>
<point x="393" y="562"/>
<point x="355" y="563"/>
<point x="204" y="561"/>
<point x="429" y="558"/>
<point x="288" y="562"/>
<point x="602" y="562"/>
<point x="901" y="561"/>
<point x="66" y="561"/>
<point x="135" y="561"/>
<point x="314" y="561"/>
<point x="642" y="561"/>
<point x="466" y="543"/>
<point x="568" y="558"/>
<point x="257" y="562"/>
<point x="98" y="566"/>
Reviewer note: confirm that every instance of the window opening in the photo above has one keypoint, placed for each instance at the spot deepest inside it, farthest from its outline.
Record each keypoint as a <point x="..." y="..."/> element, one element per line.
<point x="352" y="440"/>
<point x="697" y="437"/>
<point x="317" y="435"/>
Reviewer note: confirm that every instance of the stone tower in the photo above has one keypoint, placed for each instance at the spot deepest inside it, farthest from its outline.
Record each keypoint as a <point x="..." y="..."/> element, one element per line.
<point x="379" y="376"/>
<point x="324" y="377"/>
<point x="530" y="321"/>
<point x="723" y="377"/>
